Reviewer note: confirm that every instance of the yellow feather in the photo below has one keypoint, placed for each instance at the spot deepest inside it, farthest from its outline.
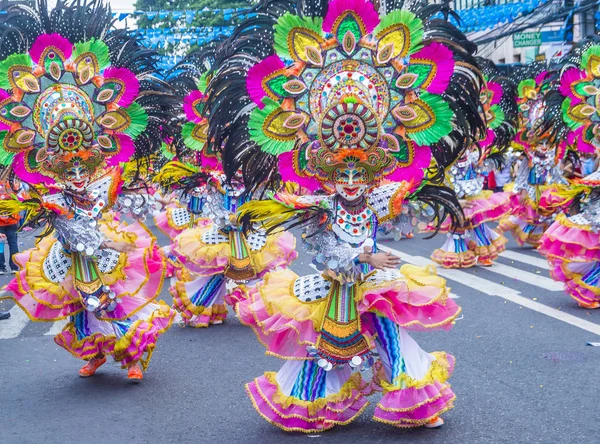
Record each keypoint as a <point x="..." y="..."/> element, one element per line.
<point x="268" y="213"/>
<point x="172" y="173"/>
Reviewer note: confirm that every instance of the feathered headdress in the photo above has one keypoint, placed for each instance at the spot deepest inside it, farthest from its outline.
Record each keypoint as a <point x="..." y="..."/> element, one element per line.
<point x="75" y="92"/>
<point x="395" y="93"/>
<point x="573" y="102"/>
<point x="499" y="106"/>
<point x="190" y="78"/>
<point x="533" y="83"/>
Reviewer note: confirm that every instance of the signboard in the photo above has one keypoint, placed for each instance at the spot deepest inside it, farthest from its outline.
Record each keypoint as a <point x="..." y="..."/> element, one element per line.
<point x="523" y="39"/>
<point x="553" y="36"/>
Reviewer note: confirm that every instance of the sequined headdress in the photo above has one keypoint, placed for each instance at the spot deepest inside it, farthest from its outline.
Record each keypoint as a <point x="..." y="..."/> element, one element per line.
<point x="75" y="92"/>
<point x="394" y="93"/>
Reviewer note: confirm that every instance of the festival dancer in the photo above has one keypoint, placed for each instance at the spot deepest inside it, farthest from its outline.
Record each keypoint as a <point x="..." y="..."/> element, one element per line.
<point x="572" y="243"/>
<point x="475" y="242"/>
<point x="214" y="253"/>
<point x="365" y="110"/>
<point x="77" y="101"/>
<point x="539" y="171"/>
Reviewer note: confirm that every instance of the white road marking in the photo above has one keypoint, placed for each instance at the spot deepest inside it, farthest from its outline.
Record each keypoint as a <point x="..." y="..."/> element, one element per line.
<point x="493" y="289"/>
<point x="56" y="328"/>
<point x="452" y="295"/>
<point x="13" y="326"/>
<point x="526" y="277"/>
<point x="526" y="259"/>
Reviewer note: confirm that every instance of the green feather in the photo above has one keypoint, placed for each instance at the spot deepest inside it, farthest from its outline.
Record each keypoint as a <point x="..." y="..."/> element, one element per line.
<point x="410" y="20"/>
<point x="190" y="141"/>
<point x="139" y="120"/>
<point x="96" y="47"/>
<point x="286" y="23"/>
<point x="591" y="51"/>
<point x="203" y="82"/>
<point x="164" y="149"/>
<point x="5" y="157"/>
<point x="523" y="84"/>
<point x="12" y="60"/>
<point x="255" y="126"/>
<point x="569" y="121"/>
<point x="500" y="117"/>
<point x="443" y="121"/>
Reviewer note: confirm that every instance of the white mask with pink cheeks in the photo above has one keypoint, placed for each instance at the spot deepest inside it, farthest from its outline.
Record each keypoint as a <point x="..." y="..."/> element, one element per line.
<point x="76" y="178"/>
<point x="350" y="183"/>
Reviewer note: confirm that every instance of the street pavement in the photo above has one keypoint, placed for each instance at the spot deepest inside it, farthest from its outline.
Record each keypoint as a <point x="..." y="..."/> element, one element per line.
<point x="524" y="373"/>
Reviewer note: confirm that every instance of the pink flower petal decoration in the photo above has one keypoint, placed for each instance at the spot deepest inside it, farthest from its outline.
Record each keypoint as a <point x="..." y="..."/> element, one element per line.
<point x="125" y="153"/>
<point x="567" y="79"/>
<point x="257" y="73"/>
<point x="496" y="90"/>
<point x="444" y="61"/>
<point x="363" y="8"/>
<point x="27" y="176"/>
<point x="188" y="106"/>
<point x="415" y="171"/>
<point x="46" y="40"/>
<point x="129" y="79"/>
<point x="288" y="174"/>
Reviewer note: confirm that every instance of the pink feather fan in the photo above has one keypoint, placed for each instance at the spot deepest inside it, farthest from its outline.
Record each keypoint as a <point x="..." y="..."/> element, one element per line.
<point x="26" y="175"/>
<point x="55" y="40"/>
<point x="496" y="92"/>
<point x="567" y="79"/>
<point x="129" y="81"/>
<point x="257" y="73"/>
<point x="125" y="153"/>
<point x="288" y="173"/>
<point x="442" y="57"/>
<point x="188" y="106"/>
<point x="413" y="172"/>
<point x="364" y="9"/>
<point x="3" y="96"/>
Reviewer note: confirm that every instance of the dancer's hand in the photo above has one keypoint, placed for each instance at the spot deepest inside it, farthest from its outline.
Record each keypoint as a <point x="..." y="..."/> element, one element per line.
<point x="381" y="261"/>
<point x="465" y="204"/>
<point x="121" y="247"/>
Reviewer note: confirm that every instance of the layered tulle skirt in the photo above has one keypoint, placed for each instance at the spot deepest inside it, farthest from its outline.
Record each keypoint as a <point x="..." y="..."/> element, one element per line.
<point x="530" y="218"/>
<point x="572" y="248"/>
<point x="475" y="241"/>
<point x="44" y="289"/>
<point x="288" y="314"/>
<point x="200" y="292"/>
<point x="172" y="222"/>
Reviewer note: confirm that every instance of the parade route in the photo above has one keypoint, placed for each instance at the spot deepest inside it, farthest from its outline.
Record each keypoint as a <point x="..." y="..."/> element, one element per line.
<point x="524" y="373"/>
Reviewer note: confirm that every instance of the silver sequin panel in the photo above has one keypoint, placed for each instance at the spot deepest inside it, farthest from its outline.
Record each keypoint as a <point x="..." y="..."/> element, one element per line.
<point x="311" y="288"/>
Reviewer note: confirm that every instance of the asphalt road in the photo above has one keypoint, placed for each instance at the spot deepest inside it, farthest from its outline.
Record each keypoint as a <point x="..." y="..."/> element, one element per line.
<point x="524" y="374"/>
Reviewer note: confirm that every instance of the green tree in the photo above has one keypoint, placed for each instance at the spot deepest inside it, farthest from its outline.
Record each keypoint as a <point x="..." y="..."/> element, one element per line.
<point x="201" y="19"/>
